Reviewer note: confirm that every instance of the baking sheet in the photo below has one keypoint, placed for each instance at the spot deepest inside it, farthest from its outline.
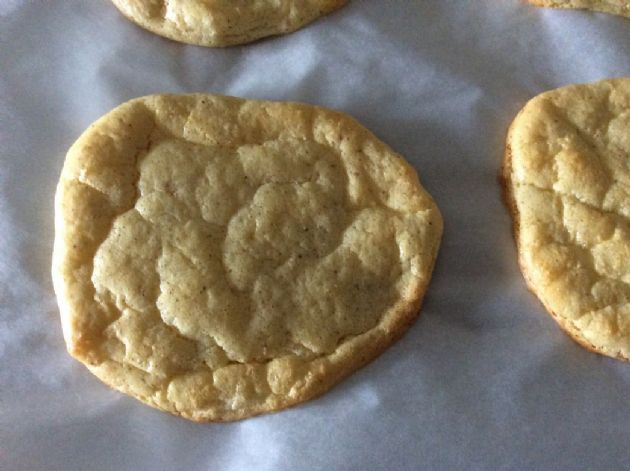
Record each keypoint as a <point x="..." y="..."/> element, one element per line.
<point x="484" y="379"/>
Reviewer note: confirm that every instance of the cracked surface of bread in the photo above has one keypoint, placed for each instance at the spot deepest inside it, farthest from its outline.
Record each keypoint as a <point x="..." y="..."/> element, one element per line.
<point x="219" y="23"/>
<point x="567" y="176"/>
<point x="218" y="258"/>
<point x="615" y="7"/>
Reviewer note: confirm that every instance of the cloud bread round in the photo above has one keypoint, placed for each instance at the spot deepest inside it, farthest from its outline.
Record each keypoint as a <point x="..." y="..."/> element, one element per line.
<point x="567" y="174"/>
<point x="219" y="258"/>
<point x="218" y="23"/>
<point x="616" y="7"/>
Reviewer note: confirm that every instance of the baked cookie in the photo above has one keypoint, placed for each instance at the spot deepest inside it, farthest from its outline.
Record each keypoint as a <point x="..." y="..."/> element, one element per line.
<point x="616" y="7"/>
<point x="219" y="23"/>
<point x="219" y="258"/>
<point x="567" y="176"/>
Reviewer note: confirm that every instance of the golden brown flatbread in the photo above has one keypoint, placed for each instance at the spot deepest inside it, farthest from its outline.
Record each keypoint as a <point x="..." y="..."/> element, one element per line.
<point x="567" y="174"/>
<point x="615" y="7"/>
<point x="219" y="258"/>
<point x="218" y="23"/>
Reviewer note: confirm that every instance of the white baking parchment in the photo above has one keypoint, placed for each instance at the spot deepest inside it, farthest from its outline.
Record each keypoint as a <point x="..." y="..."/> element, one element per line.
<point x="485" y="380"/>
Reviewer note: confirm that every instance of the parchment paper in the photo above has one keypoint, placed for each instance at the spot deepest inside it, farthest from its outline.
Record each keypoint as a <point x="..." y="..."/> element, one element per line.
<point x="484" y="380"/>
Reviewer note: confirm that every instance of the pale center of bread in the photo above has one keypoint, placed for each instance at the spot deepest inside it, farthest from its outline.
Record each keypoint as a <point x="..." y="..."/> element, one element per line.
<point x="245" y="255"/>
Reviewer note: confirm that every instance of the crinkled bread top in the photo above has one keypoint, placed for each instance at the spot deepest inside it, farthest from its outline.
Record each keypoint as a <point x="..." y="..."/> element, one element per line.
<point x="616" y="7"/>
<point x="219" y="258"/>
<point x="218" y="23"/>
<point x="567" y="172"/>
